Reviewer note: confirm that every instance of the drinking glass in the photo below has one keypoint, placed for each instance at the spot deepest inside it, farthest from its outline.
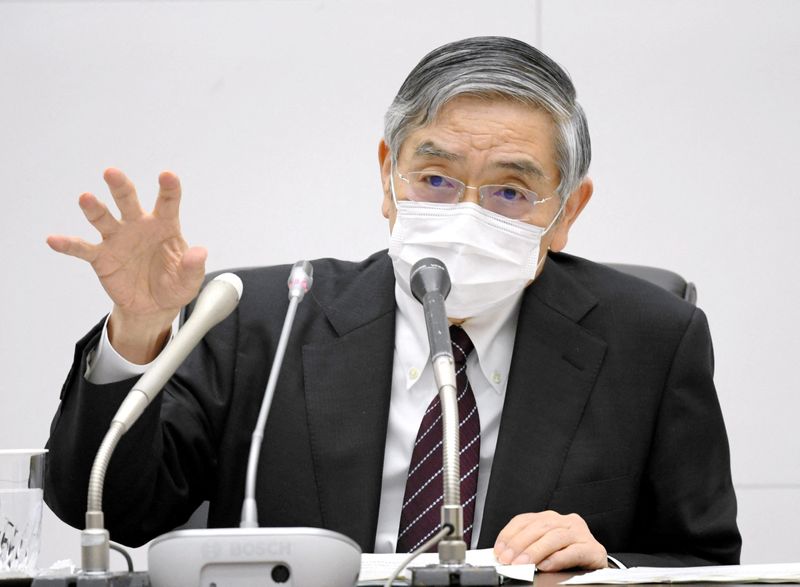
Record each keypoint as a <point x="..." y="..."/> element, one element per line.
<point x="21" y="485"/>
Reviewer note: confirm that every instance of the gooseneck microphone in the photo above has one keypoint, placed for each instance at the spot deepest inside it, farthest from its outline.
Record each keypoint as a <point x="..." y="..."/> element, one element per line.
<point x="241" y="556"/>
<point x="250" y="555"/>
<point x="300" y="280"/>
<point x="430" y="285"/>
<point x="217" y="300"/>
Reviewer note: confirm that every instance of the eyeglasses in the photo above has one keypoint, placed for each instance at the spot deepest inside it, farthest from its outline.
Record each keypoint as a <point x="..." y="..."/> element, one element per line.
<point x="508" y="200"/>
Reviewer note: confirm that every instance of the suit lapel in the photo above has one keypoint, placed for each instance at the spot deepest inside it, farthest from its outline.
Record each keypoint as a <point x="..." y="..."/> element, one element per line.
<point x="347" y="386"/>
<point x="553" y="370"/>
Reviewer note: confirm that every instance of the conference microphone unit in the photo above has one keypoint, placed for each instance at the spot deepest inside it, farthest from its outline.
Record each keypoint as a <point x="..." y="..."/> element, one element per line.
<point x="430" y="285"/>
<point x="217" y="300"/>
<point x="249" y="555"/>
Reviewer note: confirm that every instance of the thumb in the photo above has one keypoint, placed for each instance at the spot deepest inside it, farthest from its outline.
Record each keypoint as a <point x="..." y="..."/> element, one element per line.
<point x="192" y="269"/>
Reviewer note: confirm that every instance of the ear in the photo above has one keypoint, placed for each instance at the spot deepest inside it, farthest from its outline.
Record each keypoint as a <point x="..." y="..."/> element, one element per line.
<point x="575" y="204"/>
<point x="385" y="162"/>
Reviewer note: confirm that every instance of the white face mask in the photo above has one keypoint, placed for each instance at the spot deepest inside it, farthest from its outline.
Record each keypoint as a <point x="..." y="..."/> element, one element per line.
<point x="490" y="258"/>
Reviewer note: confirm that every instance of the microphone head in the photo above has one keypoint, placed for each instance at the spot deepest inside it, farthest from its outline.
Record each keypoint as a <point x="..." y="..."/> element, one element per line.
<point x="300" y="279"/>
<point x="234" y="280"/>
<point x="218" y="299"/>
<point x="429" y="275"/>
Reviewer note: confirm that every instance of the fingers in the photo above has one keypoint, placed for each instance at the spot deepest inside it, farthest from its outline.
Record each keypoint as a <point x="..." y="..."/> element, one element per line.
<point x="516" y="524"/>
<point x="124" y="194"/>
<point x="72" y="246"/>
<point x="551" y="540"/>
<point x="98" y="215"/>
<point x="169" y="196"/>
<point x="533" y="526"/>
<point x="545" y="546"/>
<point x="578" y="555"/>
<point x="529" y="538"/>
<point x="535" y="541"/>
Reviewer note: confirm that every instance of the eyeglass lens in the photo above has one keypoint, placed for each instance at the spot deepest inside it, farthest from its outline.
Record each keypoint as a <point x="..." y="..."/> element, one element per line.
<point x="507" y="200"/>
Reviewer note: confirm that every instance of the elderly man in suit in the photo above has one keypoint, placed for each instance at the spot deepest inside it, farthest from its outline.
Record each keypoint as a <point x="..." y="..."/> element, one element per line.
<point x="590" y="423"/>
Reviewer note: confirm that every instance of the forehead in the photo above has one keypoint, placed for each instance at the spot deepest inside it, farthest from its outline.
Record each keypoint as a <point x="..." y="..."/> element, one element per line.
<point x="478" y="129"/>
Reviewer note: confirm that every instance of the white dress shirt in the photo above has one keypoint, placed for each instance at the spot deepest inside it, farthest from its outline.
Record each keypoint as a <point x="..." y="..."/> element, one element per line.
<point x="413" y="388"/>
<point x="105" y="365"/>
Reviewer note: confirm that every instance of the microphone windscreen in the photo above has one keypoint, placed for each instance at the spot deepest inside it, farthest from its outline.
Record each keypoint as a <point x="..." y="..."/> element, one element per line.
<point x="429" y="275"/>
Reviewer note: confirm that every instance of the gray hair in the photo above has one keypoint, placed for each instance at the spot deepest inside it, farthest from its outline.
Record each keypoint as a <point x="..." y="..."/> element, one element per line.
<point x="495" y="67"/>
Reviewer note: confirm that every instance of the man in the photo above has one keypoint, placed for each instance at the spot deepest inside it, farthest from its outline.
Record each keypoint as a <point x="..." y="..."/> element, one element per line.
<point x="598" y="430"/>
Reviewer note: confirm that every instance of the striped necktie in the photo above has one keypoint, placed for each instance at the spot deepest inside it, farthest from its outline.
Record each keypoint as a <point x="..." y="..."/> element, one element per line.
<point x="420" y="517"/>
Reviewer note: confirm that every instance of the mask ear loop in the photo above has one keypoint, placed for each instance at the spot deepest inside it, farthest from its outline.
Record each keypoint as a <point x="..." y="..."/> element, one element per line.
<point x="556" y="217"/>
<point x="541" y="262"/>
<point x="391" y="181"/>
<point x="546" y="230"/>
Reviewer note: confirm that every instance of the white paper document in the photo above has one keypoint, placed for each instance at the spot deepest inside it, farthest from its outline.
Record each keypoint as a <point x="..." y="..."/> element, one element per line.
<point x="773" y="573"/>
<point x="379" y="567"/>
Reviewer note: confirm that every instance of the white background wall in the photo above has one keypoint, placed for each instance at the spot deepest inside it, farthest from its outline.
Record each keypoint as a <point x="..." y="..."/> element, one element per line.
<point x="271" y="111"/>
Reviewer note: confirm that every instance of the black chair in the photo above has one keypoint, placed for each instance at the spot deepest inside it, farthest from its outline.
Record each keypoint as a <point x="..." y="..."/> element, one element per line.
<point x="669" y="280"/>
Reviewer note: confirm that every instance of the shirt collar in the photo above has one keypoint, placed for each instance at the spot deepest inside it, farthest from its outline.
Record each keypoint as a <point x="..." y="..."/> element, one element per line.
<point x="411" y="338"/>
<point x="492" y="334"/>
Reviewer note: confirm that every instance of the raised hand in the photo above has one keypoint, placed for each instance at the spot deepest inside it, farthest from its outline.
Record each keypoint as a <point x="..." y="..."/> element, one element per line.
<point x="143" y="262"/>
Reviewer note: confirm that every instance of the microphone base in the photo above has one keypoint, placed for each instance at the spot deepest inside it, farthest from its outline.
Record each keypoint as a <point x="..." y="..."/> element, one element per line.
<point x="243" y="557"/>
<point x="447" y="575"/>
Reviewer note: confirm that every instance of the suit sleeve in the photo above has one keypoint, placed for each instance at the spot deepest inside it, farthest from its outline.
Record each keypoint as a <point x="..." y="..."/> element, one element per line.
<point x="687" y="506"/>
<point x="163" y="466"/>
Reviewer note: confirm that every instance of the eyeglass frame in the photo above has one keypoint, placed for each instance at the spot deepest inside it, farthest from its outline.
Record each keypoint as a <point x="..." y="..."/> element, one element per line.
<point x="465" y="187"/>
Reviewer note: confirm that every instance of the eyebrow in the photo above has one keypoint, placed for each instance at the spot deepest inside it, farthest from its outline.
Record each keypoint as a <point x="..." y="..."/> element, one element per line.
<point x="430" y="150"/>
<point x="522" y="166"/>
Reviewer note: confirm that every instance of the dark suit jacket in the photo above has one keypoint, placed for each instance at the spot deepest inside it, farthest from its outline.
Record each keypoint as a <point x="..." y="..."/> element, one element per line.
<point x="610" y="412"/>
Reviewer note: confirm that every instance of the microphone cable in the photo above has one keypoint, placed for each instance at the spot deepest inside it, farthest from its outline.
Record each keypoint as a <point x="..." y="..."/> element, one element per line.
<point x="443" y="532"/>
